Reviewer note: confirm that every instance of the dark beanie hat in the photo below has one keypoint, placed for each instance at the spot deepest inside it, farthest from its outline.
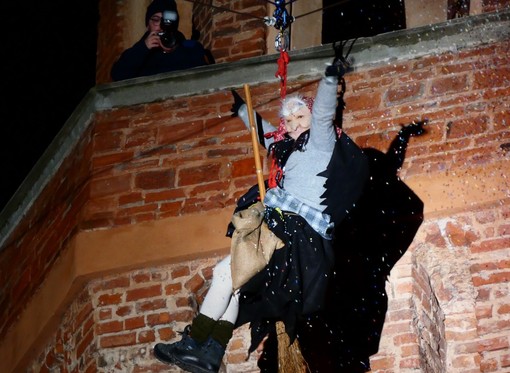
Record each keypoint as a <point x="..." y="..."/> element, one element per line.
<point x="159" y="6"/>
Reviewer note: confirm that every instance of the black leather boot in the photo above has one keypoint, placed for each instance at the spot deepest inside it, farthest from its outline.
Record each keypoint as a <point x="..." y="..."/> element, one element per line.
<point x="198" y="358"/>
<point x="162" y="351"/>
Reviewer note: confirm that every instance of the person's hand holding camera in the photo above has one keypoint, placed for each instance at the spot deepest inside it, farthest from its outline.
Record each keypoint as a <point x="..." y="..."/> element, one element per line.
<point x="153" y="40"/>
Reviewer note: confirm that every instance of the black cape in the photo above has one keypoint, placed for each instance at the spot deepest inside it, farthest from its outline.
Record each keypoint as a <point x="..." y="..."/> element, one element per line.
<point x="369" y="239"/>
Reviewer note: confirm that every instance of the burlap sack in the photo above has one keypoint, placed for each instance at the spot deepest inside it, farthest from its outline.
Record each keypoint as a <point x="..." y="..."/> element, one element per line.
<point x="252" y="244"/>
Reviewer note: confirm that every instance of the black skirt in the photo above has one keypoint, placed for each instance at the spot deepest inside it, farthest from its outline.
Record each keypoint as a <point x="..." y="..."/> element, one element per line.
<point x="295" y="283"/>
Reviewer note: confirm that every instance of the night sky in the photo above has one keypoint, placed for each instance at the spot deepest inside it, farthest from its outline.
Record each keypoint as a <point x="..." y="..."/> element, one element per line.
<point x="48" y="66"/>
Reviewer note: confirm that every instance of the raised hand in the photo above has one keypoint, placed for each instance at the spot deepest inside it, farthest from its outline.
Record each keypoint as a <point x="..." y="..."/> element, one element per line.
<point x="337" y="69"/>
<point x="238" y="102"/>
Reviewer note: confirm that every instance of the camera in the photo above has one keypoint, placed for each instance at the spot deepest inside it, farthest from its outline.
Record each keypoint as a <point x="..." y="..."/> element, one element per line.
<point x="168" y="35"/>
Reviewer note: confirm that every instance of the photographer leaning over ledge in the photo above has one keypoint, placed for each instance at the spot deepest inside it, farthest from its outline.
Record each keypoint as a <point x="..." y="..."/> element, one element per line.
<point x="162" y="48"/>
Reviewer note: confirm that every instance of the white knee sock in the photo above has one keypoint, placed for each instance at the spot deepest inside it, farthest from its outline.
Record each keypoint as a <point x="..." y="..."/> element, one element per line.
<point x="220" y="302"/>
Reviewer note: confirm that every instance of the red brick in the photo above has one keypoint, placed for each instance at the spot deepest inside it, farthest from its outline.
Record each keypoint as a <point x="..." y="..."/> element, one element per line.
<point x="490" y="79"/>
<point x="146" y="336"/>
<point x="124" y="310"/>
<point x="166" y="334"/>
<point x="362" y="101"/>
<point x="105" y="314"/>
<point x="84" y="314"/>
<point x="108" y="299"/>
<point x="380" y="364"/>
<point x="459" y="236"/>
<point x="491" y="245"/>
<point x="143" y="137"/>
<point x="410" y="363"/>
<point x="134" y="323"/>
<point x="179" y="271"/>
<point x="496" y="278"/>
<point x="449" y="84"/>
<point x="85" y="343"/>
<point x="173" y="289"/>
<point x="109" y="327"/>
<point x="243" y="167"/>
<point x="112" y="341"/>
<point x="165" y="195"/>
<point x="142" y="293"/>
<point x="160" y="179"/>
<point x="151" y="305"/>
<point x="175" y="133"/>
<point x="182" y="316"/>
<point x="113" y="159"/>
<point x="171" y="209"/>
<point x="195" y="283"/>
<point x="110" y="186"/>
<point x="114" y="283"/>
<point x="134" y="210"/>
<point x="200" y="174"/>
<point x="158" y="319"/>
<point x="130" y="198"/>
<point x="489" y="365"/>
<point x="107" y="141"/>
<point x="210" y="187"/>
<point x="504" y="309"/>
<point x="408" y="92"/>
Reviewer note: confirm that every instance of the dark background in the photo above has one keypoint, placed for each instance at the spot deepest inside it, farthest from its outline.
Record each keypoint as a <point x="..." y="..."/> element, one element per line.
<point x="361" y="18"/>
<point x="49" y="63"/>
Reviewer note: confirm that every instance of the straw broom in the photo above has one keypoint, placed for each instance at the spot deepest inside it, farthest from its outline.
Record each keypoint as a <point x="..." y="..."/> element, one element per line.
<point x="290" y="359"/>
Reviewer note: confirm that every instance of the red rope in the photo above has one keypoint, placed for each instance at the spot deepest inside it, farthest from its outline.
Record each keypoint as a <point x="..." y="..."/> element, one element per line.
<point x="281" y="73"/>
<point x="275" y="173"/>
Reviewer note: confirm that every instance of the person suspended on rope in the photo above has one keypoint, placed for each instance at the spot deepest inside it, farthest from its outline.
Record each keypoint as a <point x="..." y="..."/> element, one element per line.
<point x="295" y="281"/>
<point x="368" y="242"/>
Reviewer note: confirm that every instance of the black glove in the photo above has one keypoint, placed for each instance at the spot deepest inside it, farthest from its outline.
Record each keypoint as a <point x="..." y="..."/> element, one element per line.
<point x="336" y="69"/>
<point x="238" y="102"/>
<point x="414" y="129"/>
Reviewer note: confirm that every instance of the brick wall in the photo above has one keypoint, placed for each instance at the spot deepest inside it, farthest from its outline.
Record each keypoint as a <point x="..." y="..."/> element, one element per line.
<point x="494" y="5"/>
<point x="448" y="308"/>
<point x="72" y="347"/>
<point x="442" y="315"/>
<point x="461" y="308"/>
<point x="110" y="42"/>
<point x="232" y="35"/>
<point x="39" y="240"/>
<point x="235" y="36"/>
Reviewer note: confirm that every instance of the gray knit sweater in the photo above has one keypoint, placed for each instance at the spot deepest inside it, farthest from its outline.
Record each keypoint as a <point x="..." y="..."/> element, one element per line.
<point x="301" y="171"/>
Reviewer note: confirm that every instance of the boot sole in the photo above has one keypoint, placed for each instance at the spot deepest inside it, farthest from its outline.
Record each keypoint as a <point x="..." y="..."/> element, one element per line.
<point x="164" y="359"/>
<point x="192" y="368"/>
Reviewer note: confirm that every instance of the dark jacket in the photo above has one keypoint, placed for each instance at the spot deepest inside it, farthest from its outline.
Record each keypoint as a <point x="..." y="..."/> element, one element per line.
<point x="141" y="61"/>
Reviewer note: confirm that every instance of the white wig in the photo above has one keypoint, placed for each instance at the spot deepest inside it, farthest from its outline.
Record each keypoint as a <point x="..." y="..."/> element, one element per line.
<point x="292" y="104"/>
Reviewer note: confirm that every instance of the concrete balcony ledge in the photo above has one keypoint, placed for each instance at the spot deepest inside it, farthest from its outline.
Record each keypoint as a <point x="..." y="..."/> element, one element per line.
<point x="385" y="48"/>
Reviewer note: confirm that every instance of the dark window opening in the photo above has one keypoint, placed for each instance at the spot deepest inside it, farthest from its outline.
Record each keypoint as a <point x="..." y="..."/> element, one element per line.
<point x="349" y="19"/>
<point x="458" y="8"/>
